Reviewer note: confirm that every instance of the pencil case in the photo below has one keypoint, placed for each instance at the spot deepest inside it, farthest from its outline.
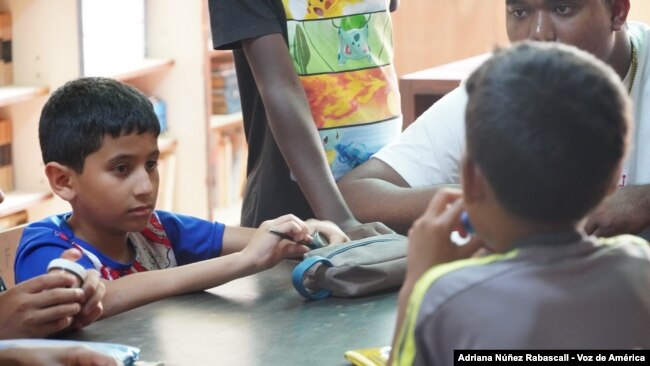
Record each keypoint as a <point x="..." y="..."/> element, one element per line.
<point x="352" y="269"/>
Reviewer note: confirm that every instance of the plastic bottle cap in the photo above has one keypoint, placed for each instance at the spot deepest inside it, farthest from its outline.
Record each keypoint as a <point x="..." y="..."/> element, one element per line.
<point x="68" y="266"/>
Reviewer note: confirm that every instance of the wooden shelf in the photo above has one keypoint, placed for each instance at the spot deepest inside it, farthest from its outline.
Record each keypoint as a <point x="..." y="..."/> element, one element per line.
<point x="220" y="55"/>
<point x="219" y="121"/>
<point x="16" y="201"/>
<point x="14" y="94"/>
<point x="129" y="72"/>
<point x="166" y="145"/>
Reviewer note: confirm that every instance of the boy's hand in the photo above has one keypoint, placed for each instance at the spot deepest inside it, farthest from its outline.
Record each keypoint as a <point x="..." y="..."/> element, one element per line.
<point x="429" y="237"/>
<point x="93" y="292"/>
<point x="328" y="229"/>
<point x="39" y="306"/>
<point x="267" y="249"/>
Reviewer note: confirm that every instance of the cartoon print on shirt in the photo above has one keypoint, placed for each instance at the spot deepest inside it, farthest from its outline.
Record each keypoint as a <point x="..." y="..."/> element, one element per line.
<point x="352" y="154"/>
<point x="327" y="8"/>
<point x="353" y="38"/>
<point x="330" y="140"/>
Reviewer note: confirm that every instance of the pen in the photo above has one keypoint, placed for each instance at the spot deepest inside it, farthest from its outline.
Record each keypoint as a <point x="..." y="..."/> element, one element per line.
<point x="316" y="243"/>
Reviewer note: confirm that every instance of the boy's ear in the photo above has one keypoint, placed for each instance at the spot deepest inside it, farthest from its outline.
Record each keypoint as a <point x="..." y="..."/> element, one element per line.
<point x="61" y="180"/>
<point x="620" y="10"/>
<point x="473" y="181"/>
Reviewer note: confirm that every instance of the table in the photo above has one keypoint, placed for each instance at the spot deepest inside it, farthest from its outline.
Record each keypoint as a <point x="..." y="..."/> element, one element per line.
<point x="419" y="90"/>
<point x="256" y="320"/>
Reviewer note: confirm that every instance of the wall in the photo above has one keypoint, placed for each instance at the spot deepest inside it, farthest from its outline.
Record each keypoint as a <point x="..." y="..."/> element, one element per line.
<point x="433" y="32"/>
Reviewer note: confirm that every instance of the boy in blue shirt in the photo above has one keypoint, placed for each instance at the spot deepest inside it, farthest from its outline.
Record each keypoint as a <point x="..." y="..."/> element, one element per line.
<point x="547" y="129"/>
<point x="98" y="139"/>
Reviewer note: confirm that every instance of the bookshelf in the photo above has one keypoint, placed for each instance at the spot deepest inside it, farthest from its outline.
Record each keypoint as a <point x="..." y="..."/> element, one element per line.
<point x="47" y="51"/>
<point x="15" y="94"/>
<point x="228" y="150"/>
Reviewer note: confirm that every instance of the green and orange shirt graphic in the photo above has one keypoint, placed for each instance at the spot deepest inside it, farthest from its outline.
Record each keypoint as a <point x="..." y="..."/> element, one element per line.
<point x="343" y="53"/>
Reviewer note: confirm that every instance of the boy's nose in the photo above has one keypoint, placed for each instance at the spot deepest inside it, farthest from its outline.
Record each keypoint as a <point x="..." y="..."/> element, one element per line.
<point x="542" y="28"/>
<point x="144" y="183"/>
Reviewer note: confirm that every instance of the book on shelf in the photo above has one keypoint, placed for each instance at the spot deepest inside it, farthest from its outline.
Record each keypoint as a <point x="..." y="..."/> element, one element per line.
<point x="225" y="91"/>
<point x="225" y="101"/>
<point x="6" y="160"/>
<point x="6" y="37"/>
<point x="224" y="78"/>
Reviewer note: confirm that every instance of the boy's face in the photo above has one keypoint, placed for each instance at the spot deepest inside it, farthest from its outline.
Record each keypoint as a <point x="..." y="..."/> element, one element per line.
<point x="118" y="187"/>
<point x="586" y="24"/>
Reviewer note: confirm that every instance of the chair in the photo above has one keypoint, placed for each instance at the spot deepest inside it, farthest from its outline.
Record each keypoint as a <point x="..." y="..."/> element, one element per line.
<point x="8" y="243"/>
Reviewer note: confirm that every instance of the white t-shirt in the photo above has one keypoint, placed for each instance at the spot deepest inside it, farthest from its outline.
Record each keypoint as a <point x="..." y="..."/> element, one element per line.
<point x="430" y="150"/>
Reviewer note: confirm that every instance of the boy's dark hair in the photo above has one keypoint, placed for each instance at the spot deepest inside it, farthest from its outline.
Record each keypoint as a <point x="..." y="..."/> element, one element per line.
<point x="80" y="113"/>
<point x="548" y="126"/>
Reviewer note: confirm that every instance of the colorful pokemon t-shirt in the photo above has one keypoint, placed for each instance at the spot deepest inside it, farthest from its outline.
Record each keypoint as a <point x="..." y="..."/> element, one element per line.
<point x="343" y="53"/>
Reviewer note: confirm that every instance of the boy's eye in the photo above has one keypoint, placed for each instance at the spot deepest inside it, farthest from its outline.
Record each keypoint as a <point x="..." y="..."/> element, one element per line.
<point x="122" y="168"/>
<point x="517" y="12"/>
<point x="564" y="9"/>
<point x="152" y="165"/>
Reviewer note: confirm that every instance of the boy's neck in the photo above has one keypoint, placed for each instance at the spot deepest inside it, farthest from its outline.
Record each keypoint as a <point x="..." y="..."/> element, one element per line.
<point x="111" y="244"/>
<point x="513" y="232"/>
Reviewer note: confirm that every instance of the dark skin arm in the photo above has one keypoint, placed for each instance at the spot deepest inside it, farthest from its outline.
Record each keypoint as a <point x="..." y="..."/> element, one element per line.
<point x="394" y="4"/>
<point x="626" y="211"/>
<point x="293" y="127"/>
<point x="376" y="192"/>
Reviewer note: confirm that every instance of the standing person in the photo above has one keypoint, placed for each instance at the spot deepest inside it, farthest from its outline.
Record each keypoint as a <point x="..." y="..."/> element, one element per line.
<point x="319" y="96"/>
<point x="539" y="160"/>
<point x="395" y="185"/>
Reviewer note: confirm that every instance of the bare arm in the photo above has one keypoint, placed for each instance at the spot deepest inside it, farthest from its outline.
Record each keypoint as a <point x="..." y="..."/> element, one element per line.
<point x="626" y="211"/>
<point x="376" y="192"/>
<point x="429" y="245"/>
<point x="264" y="251"/>
<point x="294" y="130"/>
<point x="55" y="356"/>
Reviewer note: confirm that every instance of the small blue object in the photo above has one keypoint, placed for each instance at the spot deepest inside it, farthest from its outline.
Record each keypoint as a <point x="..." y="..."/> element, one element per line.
<point x="467" y="225"/>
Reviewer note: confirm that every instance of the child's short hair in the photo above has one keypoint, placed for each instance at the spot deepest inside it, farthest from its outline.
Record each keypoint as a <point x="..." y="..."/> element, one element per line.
<point x="80" y="113"/>
<point x="548" y="126"/>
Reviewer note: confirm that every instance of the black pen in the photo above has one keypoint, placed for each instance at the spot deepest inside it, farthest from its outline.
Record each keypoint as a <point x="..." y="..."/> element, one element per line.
<point x="316" y="243"/>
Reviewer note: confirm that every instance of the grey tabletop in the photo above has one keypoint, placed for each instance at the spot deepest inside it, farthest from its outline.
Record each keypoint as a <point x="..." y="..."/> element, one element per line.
<point x="256" y="320"/>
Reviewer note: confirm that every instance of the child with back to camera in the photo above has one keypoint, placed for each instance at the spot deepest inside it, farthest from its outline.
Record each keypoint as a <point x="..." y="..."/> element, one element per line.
<point x="547" y="129"/>
<point x="99" y="143"/>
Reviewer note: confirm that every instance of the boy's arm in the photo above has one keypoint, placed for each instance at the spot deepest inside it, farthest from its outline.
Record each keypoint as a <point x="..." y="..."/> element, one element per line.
<point x="394" y="4"/>
<point x="430" y="245"/>
<point x="626" y="211"/>
<point x="236" y="238"/>
<point x="264" y="251"/>
<point x="294" y="130"/>
<point x="55" y="356"/>
<point x="376" y="192"/>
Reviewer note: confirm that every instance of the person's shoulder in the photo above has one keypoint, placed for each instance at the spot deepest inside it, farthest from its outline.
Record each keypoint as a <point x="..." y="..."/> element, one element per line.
<point x="638" y="27"/>
<point x="54" y="225"/>
<point x="447" y="112"/>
